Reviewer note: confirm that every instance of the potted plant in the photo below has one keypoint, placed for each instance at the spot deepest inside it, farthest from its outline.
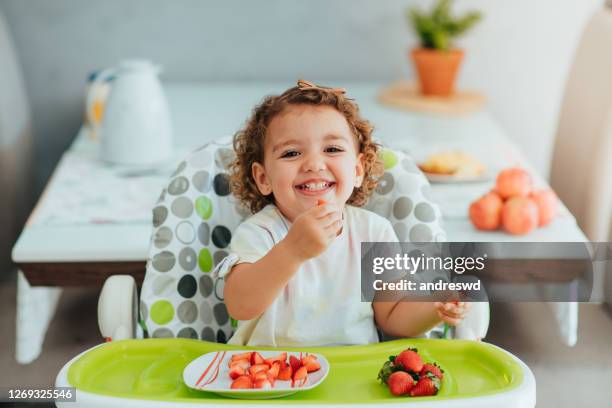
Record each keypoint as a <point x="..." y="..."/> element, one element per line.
<point x="436" y="61"/>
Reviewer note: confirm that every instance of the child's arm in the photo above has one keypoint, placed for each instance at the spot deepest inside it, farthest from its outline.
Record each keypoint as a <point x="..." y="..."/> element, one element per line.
<point x="409" y="319"/>
<point x="250" y="288"/>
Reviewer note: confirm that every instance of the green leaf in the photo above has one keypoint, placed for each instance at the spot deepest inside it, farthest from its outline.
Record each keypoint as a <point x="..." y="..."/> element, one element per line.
<point x="437" y="28"/>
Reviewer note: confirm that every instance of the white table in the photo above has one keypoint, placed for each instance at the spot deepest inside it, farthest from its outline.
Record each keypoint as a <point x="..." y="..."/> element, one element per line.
<point x="205" y="112"/>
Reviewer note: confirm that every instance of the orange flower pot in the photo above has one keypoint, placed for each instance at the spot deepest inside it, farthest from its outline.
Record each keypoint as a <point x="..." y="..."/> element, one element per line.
<point x="437" y="70"/>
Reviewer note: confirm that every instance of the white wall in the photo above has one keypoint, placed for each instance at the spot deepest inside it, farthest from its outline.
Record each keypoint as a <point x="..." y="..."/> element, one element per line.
<point x="519" y="56"/>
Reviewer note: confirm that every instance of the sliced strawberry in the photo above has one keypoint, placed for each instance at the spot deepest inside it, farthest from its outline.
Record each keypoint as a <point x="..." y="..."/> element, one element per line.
<point x="257" y="367"/>
<point x="308" y="358"/>
<point x="425" y="386"/>
<point x="256" y="358"/>
<point x="400" y="383"/>
<point x="262" y="383"/>
<point x="275" y="369"/>
<point x="295" y="363"/>
<point x="236" y="372"/>
<point x="432" y="368"/>
<point x="260" y="375"/>
<point x="300" y="374"/>
<point x="243" y="381"/>
<point x="312" y="365"/>
<point x="279" y="358"/>
<point x="410" y="360"/>
<point x="244" y="364"/>
<point x="271" y="378"/>
<point x="243" y="356"/>
<point x="285" y="373"/>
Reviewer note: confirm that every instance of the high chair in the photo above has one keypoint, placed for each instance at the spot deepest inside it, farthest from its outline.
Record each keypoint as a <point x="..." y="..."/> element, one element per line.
<point x="181" y="304"/>
<point x="193" y="222"/>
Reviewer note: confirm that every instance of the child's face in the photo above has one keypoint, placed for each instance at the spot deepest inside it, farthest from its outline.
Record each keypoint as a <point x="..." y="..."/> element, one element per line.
<point x="309" y="154"/>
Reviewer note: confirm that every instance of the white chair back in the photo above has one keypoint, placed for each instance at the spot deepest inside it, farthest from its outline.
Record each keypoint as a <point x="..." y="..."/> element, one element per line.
<point x="581" y="171"/>
<point x="15" y="147"/>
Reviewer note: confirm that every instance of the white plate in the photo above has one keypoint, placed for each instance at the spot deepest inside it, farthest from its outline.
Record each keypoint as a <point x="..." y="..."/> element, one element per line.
<point x="449" y="178"/>
<point x="210" y="372"/>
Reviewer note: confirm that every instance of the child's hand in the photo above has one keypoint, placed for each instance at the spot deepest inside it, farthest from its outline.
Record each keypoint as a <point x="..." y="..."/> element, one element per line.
<point x="313" y="231"/>
<point x="452" y="312"/>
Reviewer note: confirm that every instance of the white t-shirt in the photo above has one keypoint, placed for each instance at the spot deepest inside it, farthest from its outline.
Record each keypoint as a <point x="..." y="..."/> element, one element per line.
<point x="321" y="304"/>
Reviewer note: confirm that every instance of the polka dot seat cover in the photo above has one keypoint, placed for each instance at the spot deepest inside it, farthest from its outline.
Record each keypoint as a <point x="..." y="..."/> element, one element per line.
<point x="193" y="222"/>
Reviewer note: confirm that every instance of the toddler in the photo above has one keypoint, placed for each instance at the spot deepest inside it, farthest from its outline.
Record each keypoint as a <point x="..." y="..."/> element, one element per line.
<point x="305" y="163"/>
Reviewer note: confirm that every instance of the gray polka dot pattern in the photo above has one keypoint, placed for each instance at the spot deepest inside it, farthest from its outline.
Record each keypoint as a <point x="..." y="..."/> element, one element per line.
<point x="188" y="259"/>
<point x="206" y="312"/>
<point x="220" y="312"/>
<point x="201" y="181"/>
<point x="187" y="286"/>
<point x="164" y="261"/>
<point x="187" y="333"/>
<point x="425" y="212"/>
<point x="206" y="286"/>
<point x="208" y="334"/>
<point x="221" y="184"/>
<point x="187" y="312"/>
<point x="163" y="285"/>
<point x="204" y="233"/>
<point x="219" y="256"/>
<point x="221" y="236"/>
<point x="159" y="215"/>
<point x="182" y="207"/>
<point x="385" y="184"/>
<point x="402" y="208"/>
<point x="219" y="284"/>
<point x="178" y="186"/>
<point x="185" y="232"/>
<point x="182" y="242"/>
<point x="420" y="233"/>
<point x="163" y="333"/>
<point x="162" y="237"/>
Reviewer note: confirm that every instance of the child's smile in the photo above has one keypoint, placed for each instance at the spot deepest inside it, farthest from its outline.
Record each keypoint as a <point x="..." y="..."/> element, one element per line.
<point x="310" y="154"/>
<point x="315" y="187"/>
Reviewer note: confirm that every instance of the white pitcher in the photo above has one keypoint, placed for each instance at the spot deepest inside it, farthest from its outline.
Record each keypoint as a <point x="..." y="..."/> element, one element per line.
<point x="135" y="128"/>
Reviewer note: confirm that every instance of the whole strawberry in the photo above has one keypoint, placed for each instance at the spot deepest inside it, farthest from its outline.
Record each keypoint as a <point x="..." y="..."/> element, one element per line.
<point x="400" y="383"/>
<point x="432" y="368"/>
<point x="410" y="360"/>
<point x="427" y="385"/>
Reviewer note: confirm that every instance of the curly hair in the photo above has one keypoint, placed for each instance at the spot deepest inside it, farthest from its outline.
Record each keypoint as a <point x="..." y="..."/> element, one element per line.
<point x="249" y="142"/>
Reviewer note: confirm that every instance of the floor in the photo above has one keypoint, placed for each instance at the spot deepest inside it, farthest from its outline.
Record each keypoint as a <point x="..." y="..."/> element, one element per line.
<point x="566" y="377"/>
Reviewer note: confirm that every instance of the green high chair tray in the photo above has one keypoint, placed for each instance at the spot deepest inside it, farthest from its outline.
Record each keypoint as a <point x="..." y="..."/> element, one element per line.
<point x="152" y="370"/>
